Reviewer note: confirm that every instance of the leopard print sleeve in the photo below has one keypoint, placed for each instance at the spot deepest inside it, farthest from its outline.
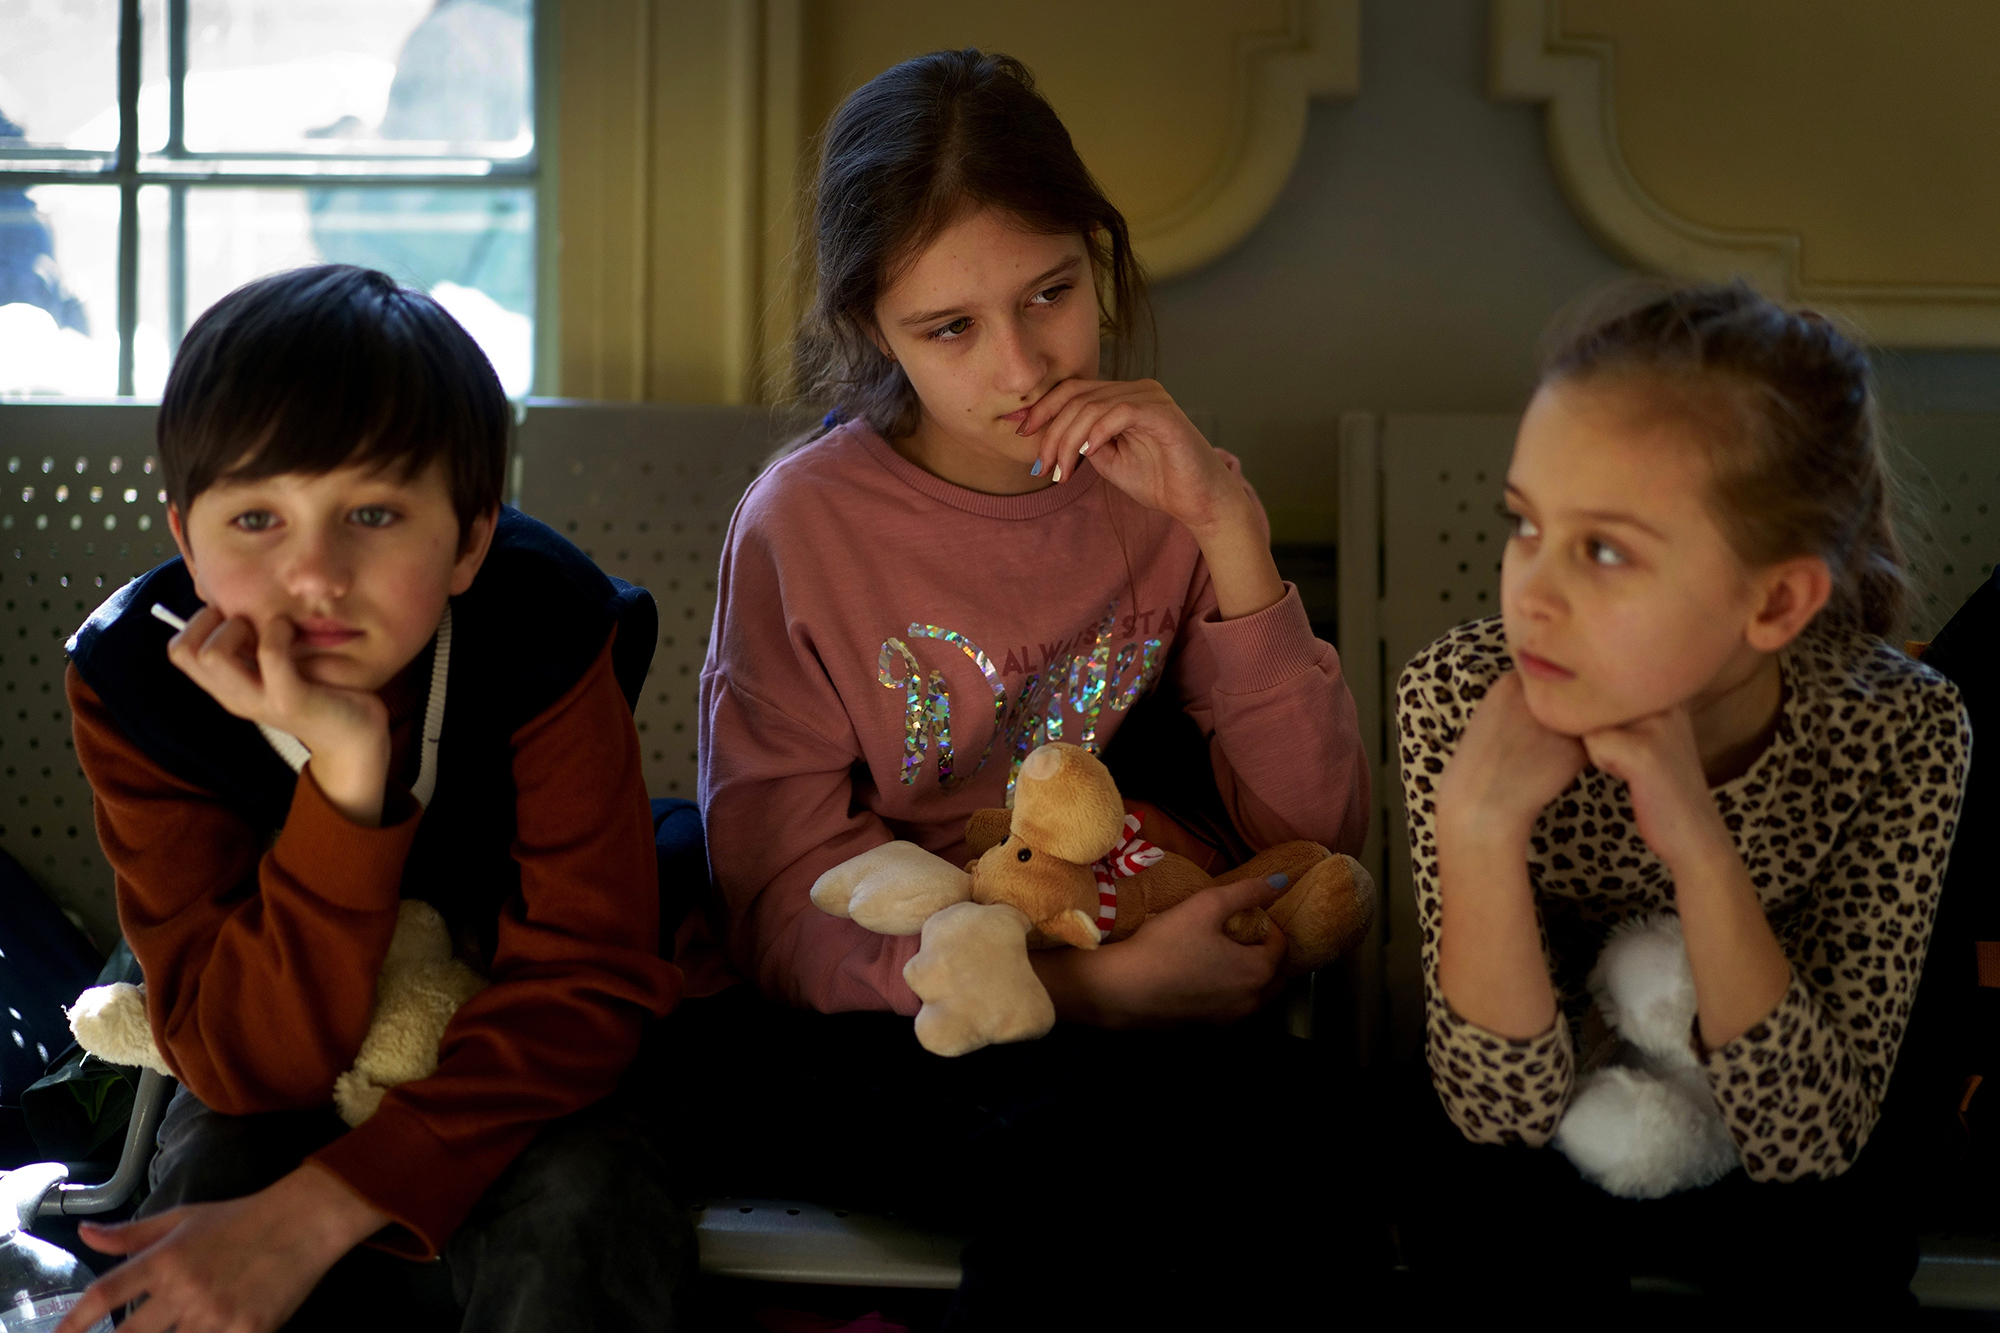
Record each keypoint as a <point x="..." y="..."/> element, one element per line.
<point x="1495" y="1089"/>
<point x="1802" y="1089"/>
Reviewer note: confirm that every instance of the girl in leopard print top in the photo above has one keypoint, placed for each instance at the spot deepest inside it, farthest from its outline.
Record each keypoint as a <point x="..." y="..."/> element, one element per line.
<point x="1686" y="706"/>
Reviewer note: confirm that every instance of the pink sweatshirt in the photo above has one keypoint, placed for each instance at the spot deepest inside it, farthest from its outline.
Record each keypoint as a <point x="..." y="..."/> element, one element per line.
<point x="888" y="647"/>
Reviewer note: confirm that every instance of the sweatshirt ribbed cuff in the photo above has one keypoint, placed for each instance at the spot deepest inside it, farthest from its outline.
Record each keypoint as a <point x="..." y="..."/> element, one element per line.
<point x="337" y="860"/>
<point x="394" y="1162"/>
<point x="1258" y="652"/>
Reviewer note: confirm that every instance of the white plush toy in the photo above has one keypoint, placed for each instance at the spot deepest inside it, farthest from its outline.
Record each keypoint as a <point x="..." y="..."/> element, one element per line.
<point x="1644" y="1122"/>
<point x="421" y="987"/>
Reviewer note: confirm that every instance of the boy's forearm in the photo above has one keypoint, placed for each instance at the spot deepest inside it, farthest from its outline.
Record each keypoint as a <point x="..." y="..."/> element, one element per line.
<point x="262" y="964"/>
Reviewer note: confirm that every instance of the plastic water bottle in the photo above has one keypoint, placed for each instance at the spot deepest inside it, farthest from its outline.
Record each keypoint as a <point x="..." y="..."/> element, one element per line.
<point x="39" y="1282"/>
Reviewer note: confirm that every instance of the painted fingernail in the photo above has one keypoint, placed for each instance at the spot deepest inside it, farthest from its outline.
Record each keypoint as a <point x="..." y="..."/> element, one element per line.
<point x="1058" y="472"/>
<point x="1279" y="881"/>
<point x="1036" y="470"/>
<point x="1085" y="450"/>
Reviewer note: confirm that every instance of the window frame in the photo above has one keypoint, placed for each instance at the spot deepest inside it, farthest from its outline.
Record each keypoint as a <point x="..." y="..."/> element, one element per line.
<point x="180" y="169"/>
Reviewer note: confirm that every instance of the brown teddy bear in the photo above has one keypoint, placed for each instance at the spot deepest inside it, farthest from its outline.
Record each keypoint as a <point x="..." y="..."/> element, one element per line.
<point x="1066" y="866"/>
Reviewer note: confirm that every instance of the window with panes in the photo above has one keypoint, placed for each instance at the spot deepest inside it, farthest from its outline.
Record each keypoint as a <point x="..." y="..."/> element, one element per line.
<point x="155" y="154"/>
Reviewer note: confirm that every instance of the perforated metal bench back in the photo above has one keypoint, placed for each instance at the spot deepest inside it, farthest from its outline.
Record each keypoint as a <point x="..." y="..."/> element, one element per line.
<point x="647" y="491"/>
<point x="81" y="514"/>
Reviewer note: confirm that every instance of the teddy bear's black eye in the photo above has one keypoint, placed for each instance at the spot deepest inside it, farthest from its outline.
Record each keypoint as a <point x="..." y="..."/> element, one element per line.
<point x="1004" y="837"/>
<point x="1023" y="854"/>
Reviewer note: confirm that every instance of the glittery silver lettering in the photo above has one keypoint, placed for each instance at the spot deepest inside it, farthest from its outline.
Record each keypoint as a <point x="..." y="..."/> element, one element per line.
<point x="1076" y="677"/>
<point x="916" y="732"/>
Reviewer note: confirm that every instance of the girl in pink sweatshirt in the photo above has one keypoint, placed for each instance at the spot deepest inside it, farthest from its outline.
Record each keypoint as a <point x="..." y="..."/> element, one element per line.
<point x="988" y="547"/>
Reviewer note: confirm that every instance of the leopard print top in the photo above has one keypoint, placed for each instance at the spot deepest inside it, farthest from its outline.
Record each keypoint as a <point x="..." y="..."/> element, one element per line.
<point x="1844" y="822"/>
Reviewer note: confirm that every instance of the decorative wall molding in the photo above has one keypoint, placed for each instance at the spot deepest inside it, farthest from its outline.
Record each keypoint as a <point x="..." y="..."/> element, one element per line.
<point x="683" y="132"/>
<point x="1534" y="59"/>
<point x="1318" y="56"/>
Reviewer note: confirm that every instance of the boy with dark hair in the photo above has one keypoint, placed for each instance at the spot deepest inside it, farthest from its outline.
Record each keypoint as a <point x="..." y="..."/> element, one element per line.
<point x="334" y="449"/>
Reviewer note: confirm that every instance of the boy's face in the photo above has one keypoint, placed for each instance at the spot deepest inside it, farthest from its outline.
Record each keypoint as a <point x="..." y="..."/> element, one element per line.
<point x="360" y="561"/>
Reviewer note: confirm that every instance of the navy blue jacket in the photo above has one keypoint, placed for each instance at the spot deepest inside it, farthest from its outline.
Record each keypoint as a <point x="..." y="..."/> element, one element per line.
<point x="527" y="630"/>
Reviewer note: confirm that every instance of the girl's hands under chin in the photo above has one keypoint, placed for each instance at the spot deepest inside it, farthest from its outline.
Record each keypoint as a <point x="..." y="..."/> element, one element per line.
<point x="1137" y="436"/>
<point x="1507" y="767"/>
<point x="1657" y="759"/>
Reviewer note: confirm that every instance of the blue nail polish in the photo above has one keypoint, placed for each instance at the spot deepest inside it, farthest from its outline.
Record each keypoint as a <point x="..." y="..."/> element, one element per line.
<point x="1279" y="881"/>
<point x="1036" y="470"/>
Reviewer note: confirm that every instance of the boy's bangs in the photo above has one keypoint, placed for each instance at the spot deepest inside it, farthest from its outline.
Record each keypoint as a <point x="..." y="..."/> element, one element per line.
<point x="368" y="419"/>
<point x="325" y="368"/>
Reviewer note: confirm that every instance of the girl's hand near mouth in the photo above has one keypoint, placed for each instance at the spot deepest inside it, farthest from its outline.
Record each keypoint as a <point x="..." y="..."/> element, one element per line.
<point x="1136" y="435"/>
<point x="253" y="676"/>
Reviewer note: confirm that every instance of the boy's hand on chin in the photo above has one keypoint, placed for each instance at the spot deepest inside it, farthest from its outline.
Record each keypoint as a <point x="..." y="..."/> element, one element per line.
<point x="242" y="1266"/>
<point x="253" y="676"/>
<point x="1657" y="759"/>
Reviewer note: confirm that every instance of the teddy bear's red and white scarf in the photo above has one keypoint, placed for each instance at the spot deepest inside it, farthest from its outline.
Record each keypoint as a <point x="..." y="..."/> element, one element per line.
<point x="1131" y="855"/>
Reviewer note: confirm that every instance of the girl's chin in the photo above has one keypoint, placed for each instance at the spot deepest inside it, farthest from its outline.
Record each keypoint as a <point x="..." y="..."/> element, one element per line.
<point x="1568" y="710"/>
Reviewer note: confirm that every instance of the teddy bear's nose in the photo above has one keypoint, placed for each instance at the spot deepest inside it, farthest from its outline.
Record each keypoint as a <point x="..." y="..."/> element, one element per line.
<point x="1023" y="854"/>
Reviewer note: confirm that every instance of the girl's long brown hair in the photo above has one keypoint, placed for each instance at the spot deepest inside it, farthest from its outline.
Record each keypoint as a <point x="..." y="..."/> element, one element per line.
<point x="909" y="153"/>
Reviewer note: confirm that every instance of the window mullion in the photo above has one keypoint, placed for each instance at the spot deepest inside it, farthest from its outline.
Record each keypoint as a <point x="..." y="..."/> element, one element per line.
<point x="129" y="46"/>
<point x="177" y="61"/>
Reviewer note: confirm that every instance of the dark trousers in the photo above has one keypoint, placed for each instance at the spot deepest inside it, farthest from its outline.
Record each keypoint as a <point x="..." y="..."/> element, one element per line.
<point x="1484" y="1224"/>
<point x="582" y="1231"/>
<point x="1107" y="1180"/>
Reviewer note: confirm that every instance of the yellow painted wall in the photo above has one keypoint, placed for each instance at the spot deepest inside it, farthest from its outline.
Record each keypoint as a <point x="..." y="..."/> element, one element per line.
<point x="643" y="104"/>
<point x="1142" y="89"/>
<point x="1872" y="130"/>
<point x="685" y="130"/>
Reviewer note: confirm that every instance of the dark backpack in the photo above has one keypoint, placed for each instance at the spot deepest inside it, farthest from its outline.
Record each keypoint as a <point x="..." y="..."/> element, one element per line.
<point x="1944" y="1103"/>
<point x="45" y="962"/>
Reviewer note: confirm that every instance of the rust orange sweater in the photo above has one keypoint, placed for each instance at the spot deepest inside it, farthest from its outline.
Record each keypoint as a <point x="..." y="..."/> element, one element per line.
<point x="261" y="962"/>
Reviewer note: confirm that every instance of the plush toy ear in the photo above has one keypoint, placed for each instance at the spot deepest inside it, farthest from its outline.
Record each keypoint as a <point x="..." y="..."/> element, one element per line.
<point x="1066" y="804"/>
<point x="110" y="1022"/>
<point x="986" y="829"/>
<point x="1073" y="927"/>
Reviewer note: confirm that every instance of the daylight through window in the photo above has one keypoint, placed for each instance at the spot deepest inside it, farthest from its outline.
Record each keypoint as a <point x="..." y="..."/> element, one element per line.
<point x="155" y="154"/>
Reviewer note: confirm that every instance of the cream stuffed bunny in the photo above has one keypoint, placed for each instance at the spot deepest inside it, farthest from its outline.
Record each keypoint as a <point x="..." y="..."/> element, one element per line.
<point x="1644" y="1122"/>
<point x="421" y="987"/>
